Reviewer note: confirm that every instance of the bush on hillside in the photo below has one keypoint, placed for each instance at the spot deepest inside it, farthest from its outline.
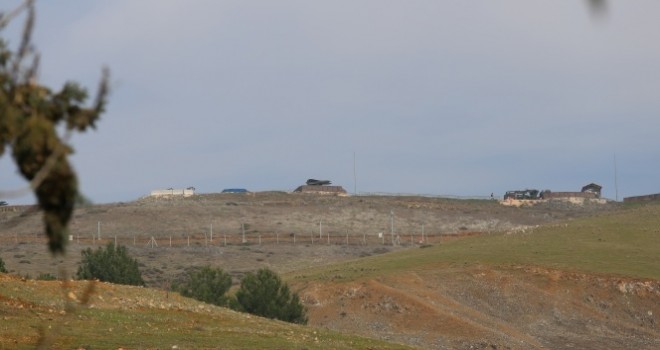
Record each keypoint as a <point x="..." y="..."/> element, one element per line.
<point x="112" y="264"/>
<point x="264" y="294"/>
<point x="208" y="285"/>
<point x="2" y="266"/>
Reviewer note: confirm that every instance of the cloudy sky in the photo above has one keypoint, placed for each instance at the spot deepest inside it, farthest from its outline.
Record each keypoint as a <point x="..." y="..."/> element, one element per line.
<point x="431" y="97"/>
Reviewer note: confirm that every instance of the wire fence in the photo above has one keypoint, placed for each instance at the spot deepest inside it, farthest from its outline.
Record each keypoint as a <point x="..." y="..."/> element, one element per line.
<point x="220" y="240"/>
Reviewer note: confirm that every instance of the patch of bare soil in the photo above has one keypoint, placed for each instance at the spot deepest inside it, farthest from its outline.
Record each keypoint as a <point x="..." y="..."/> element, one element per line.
<point x="504" y="308"/>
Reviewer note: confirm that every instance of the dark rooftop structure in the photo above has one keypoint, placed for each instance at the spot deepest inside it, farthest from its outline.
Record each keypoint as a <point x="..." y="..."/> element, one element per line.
<point x="592" y="188"/>
<point x="320" y="187"/>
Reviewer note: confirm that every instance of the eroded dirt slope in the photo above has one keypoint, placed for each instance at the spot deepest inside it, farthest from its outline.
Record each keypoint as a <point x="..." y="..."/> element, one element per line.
<point x="483" y="308"/>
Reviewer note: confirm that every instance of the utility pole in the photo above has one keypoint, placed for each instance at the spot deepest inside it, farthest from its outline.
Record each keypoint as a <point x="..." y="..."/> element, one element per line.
<point x="392" y="225"/>
<point x="616" y="184"/>
<point x="354" y="177"/>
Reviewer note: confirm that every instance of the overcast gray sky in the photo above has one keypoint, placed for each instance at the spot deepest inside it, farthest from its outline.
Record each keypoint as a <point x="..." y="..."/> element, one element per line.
<point x="433" y="97"/>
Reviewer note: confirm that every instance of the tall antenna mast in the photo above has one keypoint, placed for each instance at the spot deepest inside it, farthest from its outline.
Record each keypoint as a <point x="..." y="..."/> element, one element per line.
<point x="616" y="182"/>
<point x="354" y="176"/>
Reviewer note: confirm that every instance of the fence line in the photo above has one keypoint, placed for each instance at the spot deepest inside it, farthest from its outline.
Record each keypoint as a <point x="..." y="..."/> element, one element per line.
<point x="145" y="240"/>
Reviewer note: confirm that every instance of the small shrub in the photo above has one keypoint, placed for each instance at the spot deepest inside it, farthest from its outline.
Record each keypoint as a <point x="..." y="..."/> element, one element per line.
<point x="264" y="294"/>
<point x="112" y="264"/>
<point x="2" y="266"/>
<point x="208" y="285"/>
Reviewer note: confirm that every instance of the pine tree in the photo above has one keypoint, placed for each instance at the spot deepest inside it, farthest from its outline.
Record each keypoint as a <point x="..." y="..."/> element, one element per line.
<point x="112" y="264"/>
<point x="264" y="294"/>
<point x="208" y="285"/>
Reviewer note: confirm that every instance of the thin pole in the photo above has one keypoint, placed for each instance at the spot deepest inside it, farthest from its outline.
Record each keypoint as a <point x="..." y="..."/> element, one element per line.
<point x="260" y="239"/>
<point x="211" y="232"/>
<point x="321" y="229"/>
<point x="392" y="226"/>
<point x="98" y="229"/>
<point x="616" y="182"/>
<point x="225" y="239"/>
<point x="188" y="240"/>
<point x="170" y="241"/>
<point x="354" y="176"/>
<point x="243" y="229"/>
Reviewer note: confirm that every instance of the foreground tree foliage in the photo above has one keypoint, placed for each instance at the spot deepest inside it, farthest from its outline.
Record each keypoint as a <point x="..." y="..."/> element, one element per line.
<point x="30" y="115"/>
<point x="208" y="285"/>
<point x="112" y="264"/>
<point x="265" y="294"/>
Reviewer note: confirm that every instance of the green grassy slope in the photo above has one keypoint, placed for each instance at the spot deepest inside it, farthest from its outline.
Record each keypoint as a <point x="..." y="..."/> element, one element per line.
<point x="123" y="317"/>
<point x="626" y="243"/>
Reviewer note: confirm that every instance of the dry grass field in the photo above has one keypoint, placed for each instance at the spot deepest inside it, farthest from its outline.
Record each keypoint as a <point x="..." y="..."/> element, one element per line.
<point x="282" y="231"/>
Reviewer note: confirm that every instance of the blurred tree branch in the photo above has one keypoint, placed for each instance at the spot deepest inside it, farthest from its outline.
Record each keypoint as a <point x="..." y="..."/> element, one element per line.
<point x="29" y="116"/>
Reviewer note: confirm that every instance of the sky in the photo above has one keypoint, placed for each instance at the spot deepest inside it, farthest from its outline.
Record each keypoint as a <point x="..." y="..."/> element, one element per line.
<point x="436" y="97"/>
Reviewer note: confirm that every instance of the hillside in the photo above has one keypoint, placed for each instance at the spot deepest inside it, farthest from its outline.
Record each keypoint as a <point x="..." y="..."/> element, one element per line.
<point x="477" y="276"/>
<point x="87" y="315"/>
<point x="286" y="224"/>
<point x="593" y="283"/>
